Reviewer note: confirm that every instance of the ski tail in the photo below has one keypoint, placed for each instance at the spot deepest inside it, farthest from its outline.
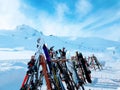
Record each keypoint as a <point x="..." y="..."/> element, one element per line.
<point x="24" y="81"/>
<point x="79" y="82"/>
<point x="45" y="72"/>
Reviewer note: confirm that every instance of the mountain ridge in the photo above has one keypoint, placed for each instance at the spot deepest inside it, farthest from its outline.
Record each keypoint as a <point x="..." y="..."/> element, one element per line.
<point x="26" y="36"/>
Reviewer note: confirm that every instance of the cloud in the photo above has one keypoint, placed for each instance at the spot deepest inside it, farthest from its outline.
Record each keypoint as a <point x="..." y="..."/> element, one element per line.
<point x="77" y="20"/>
<point x="7" y="12"/>
<point x="106" y="18"/>
<point x="90" y="27"/>
<point x="83" y="7"/>
<point x="105" y="25"/>
<point x="61" y="10"/>
<point x="10" y="15"/>
<point x="52" y="25"/>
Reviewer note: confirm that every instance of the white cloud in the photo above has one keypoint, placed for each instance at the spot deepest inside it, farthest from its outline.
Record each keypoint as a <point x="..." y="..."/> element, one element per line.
<point x="52" y="25"/>
<point x="83" y="7"/>
<point x="61" y="9"/>
<point x="105" y="25"/>
<point x="10" y="15"/>
<point x="58" y="24"/>
<point x="106" y="18"/>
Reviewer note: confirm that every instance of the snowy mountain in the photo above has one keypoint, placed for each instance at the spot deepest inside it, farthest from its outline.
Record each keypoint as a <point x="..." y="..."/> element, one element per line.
<point x="22" y="36"/>
<point x="25" y="37"/>
<point x="17" y="46"/>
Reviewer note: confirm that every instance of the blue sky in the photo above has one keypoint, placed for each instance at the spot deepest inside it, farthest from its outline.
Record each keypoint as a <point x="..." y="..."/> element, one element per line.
<point x="74" y="18"/>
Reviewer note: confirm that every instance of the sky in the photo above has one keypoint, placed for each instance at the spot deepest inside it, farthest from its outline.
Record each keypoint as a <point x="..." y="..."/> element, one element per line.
<point x="73" y="18"/>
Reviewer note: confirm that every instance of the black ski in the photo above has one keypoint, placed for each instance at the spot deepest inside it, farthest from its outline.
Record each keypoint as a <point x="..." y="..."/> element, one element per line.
<point x="85" y="67"/>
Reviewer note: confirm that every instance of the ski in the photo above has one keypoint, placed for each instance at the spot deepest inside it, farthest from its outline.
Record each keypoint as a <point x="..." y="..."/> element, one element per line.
<point x="52" y="67"/>
<point x="45" y="72"/>
<point x="79" y="82"/>
<point x="85" y="67"/>
<point x="66" y="76"/>
<point x="24" y="82"/>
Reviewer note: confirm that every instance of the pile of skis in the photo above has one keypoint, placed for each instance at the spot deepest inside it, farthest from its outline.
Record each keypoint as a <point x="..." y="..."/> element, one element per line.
<point x="94" y="63"/>
<point x="56" y="73"/>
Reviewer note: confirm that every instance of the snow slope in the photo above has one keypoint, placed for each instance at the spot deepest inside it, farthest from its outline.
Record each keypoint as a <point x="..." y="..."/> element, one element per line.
<point x="17" y="46"/>
<point x="25" y="37"/>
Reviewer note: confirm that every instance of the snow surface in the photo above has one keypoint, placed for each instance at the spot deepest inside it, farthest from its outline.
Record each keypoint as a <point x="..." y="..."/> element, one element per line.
<point x="17" y="46"/>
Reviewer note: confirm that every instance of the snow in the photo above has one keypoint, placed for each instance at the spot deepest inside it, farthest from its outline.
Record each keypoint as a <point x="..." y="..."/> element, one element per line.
<point x="12" y="55"/>
<point x="16" y="48"/>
